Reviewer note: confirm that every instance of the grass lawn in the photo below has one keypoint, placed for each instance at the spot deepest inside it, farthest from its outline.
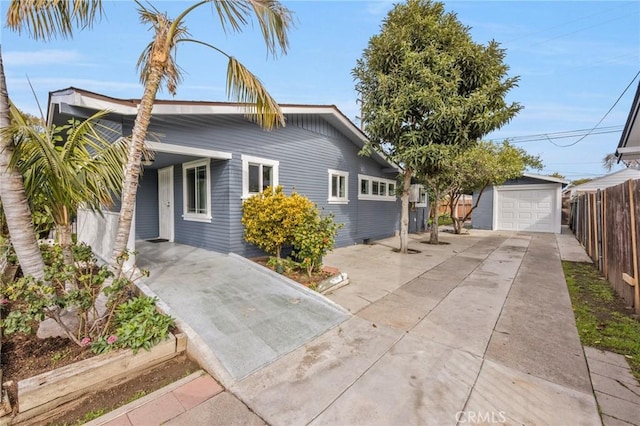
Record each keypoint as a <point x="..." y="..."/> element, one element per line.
<point x="602" y="318"/>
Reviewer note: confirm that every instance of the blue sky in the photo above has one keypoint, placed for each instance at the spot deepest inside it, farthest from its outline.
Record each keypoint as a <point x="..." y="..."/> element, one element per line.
<point x="574" y="59"/>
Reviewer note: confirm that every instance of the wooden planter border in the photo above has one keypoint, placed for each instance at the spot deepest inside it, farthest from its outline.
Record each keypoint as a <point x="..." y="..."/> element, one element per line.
<point x="47" y="391"/>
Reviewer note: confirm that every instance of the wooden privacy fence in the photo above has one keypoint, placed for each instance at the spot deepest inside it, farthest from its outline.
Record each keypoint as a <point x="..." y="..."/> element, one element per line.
<point x="606" y="224"/>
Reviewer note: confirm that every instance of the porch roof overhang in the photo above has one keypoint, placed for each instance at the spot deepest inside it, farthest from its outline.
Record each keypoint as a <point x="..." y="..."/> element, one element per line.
<point x="186" y="150"/>
<point x="629" y="145"/>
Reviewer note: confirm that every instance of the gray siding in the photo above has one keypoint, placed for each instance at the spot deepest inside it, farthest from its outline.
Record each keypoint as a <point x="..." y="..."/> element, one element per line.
<point x="305" y="150"/>
<point x="214" y="235"/>
<point x="482" y="217"/>
<point x="147" y="206"/>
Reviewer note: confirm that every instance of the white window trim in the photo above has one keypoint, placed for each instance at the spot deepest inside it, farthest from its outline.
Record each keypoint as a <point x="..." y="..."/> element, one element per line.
<point x="338" y="200"/>
<point x="196" y="217"/>
<point x="248" y="159"/>
<point x="371" y="197"/>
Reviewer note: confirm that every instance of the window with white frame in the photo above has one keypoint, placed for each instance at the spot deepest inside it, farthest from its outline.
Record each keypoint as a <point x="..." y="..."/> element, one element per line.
<point x="258" y="174"/>
<point x="376" y="189"/>
<point x="338" y="187"/>
<point x="196" y="184"/>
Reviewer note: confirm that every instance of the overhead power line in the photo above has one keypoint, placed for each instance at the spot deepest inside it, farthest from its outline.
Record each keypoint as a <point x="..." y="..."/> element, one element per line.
<point x="559" y="135"/>
<point x="593" y="131"/>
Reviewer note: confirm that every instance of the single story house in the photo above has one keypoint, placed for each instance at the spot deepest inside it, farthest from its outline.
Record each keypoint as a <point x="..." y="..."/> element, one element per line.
<point x="603" y="182"/>
<point x="208" y="158"/>
<point x="629" y="145"/>
<point x="529" y="203"/>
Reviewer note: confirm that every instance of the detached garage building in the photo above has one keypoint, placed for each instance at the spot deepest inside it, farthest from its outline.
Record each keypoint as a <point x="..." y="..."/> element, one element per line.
<point x="530" y="203"/>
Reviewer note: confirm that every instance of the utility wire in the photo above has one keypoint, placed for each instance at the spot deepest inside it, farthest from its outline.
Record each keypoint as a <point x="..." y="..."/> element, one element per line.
<point x="558" y="135"/>
<point x="603" y="117"/>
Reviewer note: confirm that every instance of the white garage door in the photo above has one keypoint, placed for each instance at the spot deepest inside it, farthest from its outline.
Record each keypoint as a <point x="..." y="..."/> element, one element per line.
<point x="531" y="210"/>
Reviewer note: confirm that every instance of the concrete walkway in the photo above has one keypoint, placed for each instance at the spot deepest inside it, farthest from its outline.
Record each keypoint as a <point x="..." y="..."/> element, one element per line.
<point x="477" y="331"/>
<point x="243" y="314"/>
<point x="484" y="331"/>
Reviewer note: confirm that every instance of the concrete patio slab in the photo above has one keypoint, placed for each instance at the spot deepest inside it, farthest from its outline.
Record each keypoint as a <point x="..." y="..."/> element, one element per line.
<point x="511" y="396"/>
<point x="418" y="382"/>
<point x="299" y="386"/>
<point x="247" y="317"/>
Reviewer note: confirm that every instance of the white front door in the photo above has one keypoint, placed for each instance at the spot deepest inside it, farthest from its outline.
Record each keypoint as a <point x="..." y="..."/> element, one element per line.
<point x="165" y="203"/>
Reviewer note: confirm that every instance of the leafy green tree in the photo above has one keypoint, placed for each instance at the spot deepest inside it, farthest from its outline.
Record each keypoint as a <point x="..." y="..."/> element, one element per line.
<point x="270" y="219"/>
<point x="41" y="20"/>
<point x="481" y="166"/>
<point x="67" y="166"/>
<point x="423" y="81"/>
<point x="158" y="67"/>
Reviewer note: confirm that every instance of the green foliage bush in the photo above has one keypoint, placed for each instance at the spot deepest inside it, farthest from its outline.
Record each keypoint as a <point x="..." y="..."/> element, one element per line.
<point x="314" y="238"/>
<point x="272" y="220"/>
<point x="271" y="217"/>
<point x="123" y="322"/>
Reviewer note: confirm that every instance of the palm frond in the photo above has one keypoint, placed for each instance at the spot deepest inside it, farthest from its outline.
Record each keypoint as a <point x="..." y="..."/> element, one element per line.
<point x="68" y="165"/>
<point x="45" y="19"/>
<point x="275" y="20"/>
<point x="246" y="88"/>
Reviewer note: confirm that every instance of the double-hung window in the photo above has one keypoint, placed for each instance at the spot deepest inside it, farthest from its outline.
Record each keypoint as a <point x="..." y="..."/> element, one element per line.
<point x="338" y="187"/>
<point x="376" y="189"/>
<point x="196" y="184"/>
<point x="257" y="175"/>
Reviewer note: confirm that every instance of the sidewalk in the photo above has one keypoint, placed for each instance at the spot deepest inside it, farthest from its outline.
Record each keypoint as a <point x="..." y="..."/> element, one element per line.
<point x="194" y="400"/>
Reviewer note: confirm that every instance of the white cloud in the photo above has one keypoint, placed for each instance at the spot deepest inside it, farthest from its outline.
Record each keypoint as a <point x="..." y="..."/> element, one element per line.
<point x="42" y="57"/>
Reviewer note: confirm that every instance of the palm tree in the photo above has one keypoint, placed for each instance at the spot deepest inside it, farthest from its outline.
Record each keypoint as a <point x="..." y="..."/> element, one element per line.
<point x="68" y="166"/>
<point x="42" y="20"/>
<point x="158" y="65"/>
<point x="611" y="159"/>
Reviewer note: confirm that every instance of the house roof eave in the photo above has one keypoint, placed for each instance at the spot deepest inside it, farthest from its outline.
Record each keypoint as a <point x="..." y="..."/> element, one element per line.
<point x="129" y="107"/>
<point x="629" y="145"/>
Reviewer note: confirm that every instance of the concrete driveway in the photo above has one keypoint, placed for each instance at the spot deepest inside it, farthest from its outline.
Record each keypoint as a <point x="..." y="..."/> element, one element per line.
<point x="477" y="331"/>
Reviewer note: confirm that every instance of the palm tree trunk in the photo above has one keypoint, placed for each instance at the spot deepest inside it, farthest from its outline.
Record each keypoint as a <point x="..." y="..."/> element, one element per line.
<point x="14" y="200"/>
<point x="404" y="222"/>
<point x="132" y="172"/>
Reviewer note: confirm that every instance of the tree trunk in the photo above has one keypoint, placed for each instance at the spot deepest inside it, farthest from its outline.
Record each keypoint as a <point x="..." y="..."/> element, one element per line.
<point x="14" y="199"/>
<point x="433" y="239"/>
<point x="132" y="171"/>
<point x="453" y="211"/>
<point x="404" y="221"/>
<point x="66" y="242"/>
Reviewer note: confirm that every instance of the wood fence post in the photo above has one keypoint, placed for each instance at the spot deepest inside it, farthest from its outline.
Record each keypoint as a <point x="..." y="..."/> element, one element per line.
<point x="605" y="239"/>
<point x="633" y="281"/>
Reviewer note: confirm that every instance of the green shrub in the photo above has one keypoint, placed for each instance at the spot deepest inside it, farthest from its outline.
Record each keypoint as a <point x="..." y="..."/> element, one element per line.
<point x="271" y="217"/>
<point x="314" y="238"/>
<point x="124" y="322"/>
